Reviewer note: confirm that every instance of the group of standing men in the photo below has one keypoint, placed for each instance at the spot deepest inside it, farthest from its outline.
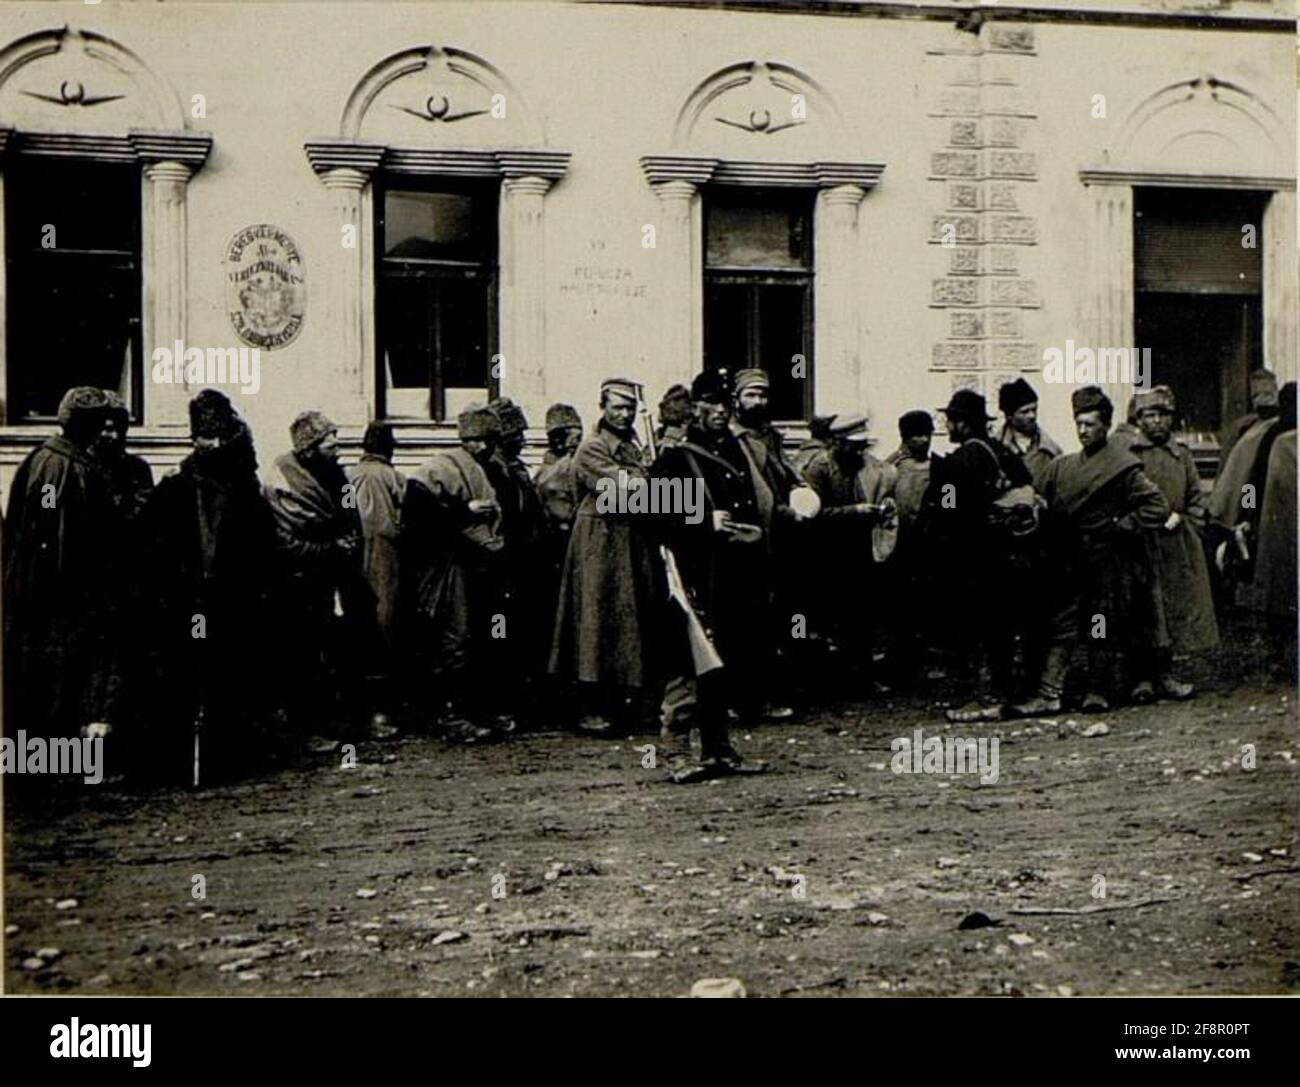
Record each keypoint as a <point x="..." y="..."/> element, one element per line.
<point x="219" y="613"/>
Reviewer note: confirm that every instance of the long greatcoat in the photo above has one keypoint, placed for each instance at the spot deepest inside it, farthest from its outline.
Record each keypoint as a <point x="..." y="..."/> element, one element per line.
<point x="1103" y="506"/>
<point x="1179" y="557"/>
<point x="726" y="580"/>
<point x="209" y="546"/>
<point x="1273" y="589"/>
<point x="58" y="593"/>
<point x="450" y="553"/>
<point x="613" y="595"/>
<point x="379" y="489"/>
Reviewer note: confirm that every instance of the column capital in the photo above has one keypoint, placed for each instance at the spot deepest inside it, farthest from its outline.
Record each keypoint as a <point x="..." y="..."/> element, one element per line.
<point x="674" y="191"/>
<point x="344" y="178"/>
<point x="327" y="156"/>
<point x="667" y="168"/>
<point x="189" y="148"/>
<point x="528" y="185"/>
<point x="167" y="171"/>
<point x="845" y="195"/>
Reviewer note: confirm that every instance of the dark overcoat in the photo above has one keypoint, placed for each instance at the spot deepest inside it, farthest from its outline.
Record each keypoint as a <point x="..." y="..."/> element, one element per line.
<point x="1178" y="555"/>
<point x="613" y="594"/>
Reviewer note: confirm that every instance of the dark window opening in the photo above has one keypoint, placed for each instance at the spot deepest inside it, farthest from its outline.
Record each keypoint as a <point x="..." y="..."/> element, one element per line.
<point x="1199" y="301"/>
<point x="435" y="304"/>
<point x="758" y="290"/>
<point x="72" y="276"/>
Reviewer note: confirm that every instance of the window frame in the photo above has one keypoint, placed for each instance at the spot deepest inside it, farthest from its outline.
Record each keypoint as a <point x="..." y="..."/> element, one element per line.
<point x="754" y="277"/>
<point x="19" y="172"/>
<point x="484" y="190"/>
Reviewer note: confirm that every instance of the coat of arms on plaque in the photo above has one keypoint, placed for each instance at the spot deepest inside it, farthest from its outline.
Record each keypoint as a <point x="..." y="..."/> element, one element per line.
<point x="265" y="292"/>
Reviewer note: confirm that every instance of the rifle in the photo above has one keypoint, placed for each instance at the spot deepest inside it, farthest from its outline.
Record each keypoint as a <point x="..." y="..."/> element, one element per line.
<point x="704" y="655"/>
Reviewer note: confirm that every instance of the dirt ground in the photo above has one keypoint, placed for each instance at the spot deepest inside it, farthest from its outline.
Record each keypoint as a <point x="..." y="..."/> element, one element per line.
<point x="558" y="865"/>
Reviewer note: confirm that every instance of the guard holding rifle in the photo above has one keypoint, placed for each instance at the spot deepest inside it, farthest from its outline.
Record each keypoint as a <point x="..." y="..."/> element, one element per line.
<point x="722" y="558"/>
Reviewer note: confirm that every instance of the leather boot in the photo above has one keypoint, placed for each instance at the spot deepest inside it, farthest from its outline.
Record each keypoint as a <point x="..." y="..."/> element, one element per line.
<point x="1051" y="683"/>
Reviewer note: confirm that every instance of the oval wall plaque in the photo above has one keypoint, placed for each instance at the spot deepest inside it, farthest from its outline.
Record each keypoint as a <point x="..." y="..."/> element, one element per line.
<point x="266" y="295"/>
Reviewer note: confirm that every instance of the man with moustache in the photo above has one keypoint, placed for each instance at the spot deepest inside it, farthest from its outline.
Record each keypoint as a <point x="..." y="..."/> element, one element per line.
<point x="319" y="539"/>
<point x="1020" y="432"/>
<point x="609" y="629"/>
<point x="1187" y="603"/>
<point x="453" y="550"/>
<point x="774" y="478"/>
<point x="723" y="564"/>
<point x="1104" y="507"/>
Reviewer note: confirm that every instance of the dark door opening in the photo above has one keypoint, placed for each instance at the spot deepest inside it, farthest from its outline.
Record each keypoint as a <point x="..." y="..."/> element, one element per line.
<point x="1198" y="303"/>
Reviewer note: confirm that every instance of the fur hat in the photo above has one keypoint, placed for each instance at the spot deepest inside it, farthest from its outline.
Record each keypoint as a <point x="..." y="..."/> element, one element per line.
<point x="309" y="429"/>
<point x="561" y="417"/>
<point x="751" y="376"/>
<point x="478" y="421"/>
<point x="1091" y="398"/>
<point x="675" y="407"/>
<point x="379" y="439"/>
<point x="213" y="416"/>
<point x="913" y="424"/>
<point x="711" y="386"/>
<point x="81" y="398"/>
<point x="117" y="406"/>
<point x="509" y="415"/>
<point x="1014" y="395"/>
<point x="1160" y="396"/>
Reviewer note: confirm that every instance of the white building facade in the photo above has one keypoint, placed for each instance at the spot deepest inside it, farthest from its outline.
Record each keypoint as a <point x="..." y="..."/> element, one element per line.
<point x="405" y="207"/>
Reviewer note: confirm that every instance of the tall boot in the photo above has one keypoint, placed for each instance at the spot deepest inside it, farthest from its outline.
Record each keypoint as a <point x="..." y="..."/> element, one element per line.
<point x="1051" y="683"/>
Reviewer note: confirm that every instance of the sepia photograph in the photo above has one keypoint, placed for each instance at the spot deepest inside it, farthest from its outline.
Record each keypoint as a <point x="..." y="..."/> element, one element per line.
<point x="654" y="499"/>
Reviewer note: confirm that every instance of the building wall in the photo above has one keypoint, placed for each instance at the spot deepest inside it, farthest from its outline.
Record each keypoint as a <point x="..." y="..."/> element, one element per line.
<point x="986" y="128"/>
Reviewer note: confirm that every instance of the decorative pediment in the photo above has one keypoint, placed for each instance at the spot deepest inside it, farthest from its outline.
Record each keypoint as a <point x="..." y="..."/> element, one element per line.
<point x="438" y="96"/>
<point x="1203" y="125"/>
<point x="759" y="110"/>
<point x="72" y="80"/>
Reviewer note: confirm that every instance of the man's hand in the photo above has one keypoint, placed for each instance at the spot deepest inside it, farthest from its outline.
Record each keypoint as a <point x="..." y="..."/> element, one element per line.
<point x="1175" y="519"/>
<point x="722" y="522"/>
<point x="481" y="509"/>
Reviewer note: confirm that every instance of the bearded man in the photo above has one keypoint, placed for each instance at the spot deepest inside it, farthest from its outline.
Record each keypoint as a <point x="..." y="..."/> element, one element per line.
<point x="1104" y="506"/>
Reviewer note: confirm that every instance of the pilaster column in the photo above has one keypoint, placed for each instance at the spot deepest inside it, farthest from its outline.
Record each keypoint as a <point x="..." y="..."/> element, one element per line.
<point x="1110" y="278"/>
<point x="839" y="363"/>
<point x="523" y="274"/>
<point x="168" y="278"/>
<point x="169" y="159"/>
<point x="681" y="357"/>
<point x="1280" y="300"/>
<point x="345" y="184"/>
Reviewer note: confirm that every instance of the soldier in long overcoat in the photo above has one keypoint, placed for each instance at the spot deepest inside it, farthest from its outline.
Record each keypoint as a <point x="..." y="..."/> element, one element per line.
<point x="613" y="596"/>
